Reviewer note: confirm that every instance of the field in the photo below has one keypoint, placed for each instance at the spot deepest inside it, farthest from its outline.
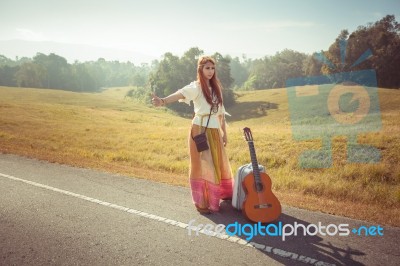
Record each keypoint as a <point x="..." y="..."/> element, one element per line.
<point x="108" y="132"/>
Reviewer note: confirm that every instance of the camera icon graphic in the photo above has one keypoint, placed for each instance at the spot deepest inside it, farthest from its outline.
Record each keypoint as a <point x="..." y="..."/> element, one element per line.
<point x="340" y="104"/>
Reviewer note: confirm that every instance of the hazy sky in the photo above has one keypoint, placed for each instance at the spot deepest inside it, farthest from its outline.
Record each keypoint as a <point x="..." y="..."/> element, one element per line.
<point x="154" y="27"/>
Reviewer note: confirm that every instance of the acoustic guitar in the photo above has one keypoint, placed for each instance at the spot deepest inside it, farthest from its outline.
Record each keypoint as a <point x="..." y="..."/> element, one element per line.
<point x="260" y="204"/>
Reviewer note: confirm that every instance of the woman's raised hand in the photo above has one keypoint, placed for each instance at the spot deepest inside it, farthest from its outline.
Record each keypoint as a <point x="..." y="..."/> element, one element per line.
<point x="156" y="101"/>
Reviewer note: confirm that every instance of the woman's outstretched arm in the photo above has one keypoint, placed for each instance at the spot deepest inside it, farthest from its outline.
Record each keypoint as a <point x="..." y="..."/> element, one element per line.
<point x="157" y="101"/>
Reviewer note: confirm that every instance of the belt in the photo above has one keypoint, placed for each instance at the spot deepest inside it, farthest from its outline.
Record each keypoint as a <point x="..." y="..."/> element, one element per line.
<point x="202" y="116"/>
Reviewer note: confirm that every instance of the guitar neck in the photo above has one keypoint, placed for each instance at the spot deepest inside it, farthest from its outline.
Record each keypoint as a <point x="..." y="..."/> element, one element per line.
<point x="254" y="162"/>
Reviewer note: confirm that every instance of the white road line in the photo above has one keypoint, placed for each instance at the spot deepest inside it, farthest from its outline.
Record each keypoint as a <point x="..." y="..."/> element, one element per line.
<point x="226" y="237"/>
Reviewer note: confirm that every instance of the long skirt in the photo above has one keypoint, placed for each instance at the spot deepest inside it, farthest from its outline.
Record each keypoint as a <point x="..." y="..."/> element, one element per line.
<point x="210" y="171"/>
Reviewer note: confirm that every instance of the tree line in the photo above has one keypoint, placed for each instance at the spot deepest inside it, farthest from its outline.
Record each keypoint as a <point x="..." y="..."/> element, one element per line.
<point x="377" y="44"/>
<point x="54" y="72"/>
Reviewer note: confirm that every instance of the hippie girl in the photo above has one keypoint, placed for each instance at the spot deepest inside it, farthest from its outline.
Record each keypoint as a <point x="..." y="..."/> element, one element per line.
<point x="210" y="172"/>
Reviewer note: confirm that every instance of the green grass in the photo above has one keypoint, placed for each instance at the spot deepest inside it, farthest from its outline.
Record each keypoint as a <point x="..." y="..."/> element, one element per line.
<point x="106" y="131"/>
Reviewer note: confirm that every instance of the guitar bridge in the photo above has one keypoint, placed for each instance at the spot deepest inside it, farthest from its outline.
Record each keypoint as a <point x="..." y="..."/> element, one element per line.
<point x="263" y="206"/>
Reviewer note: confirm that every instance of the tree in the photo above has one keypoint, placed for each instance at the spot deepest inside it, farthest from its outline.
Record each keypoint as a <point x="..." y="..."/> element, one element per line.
<point x="382" y="39"/>
<point x="239" y="71"/>
<point x="4" y="61"/>
<point x="189" y="63"/>
<point x="82" y="80"/>
<point x="223" y="70"/>
<point x="273" y="71"/>
<point x="30" y="75"/>
<point x="57" y="70"/>
<point x="312" y="67"/>
<point x="7" y="75"/>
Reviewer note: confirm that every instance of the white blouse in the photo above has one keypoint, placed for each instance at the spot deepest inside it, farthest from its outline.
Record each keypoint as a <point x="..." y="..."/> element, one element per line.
<point x="193" y="92"/>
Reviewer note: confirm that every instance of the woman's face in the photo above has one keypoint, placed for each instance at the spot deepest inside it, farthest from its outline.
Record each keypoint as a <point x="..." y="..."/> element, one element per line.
<point x="208" y="70"/>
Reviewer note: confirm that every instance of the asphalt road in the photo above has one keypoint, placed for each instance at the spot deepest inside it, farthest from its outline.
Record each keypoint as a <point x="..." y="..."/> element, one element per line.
<point x="53" y="214"/>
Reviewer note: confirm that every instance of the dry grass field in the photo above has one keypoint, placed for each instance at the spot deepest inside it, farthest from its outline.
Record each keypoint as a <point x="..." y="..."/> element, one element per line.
<point x="108" y="132"/>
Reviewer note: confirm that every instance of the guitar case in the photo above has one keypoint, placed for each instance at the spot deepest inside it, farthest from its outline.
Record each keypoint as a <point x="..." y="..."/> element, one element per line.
<point x="238" y="192"/>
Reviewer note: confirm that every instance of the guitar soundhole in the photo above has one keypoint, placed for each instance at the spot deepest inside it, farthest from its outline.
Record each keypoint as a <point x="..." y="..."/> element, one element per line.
<point x="259" y="186"/>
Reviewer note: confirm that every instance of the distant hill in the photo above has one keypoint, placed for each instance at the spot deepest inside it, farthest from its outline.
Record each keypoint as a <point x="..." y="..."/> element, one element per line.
<point x="71" y="52"/>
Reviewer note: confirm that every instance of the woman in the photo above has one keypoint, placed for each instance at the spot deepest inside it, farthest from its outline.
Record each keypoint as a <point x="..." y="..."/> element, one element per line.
<point x="210" y="171"/>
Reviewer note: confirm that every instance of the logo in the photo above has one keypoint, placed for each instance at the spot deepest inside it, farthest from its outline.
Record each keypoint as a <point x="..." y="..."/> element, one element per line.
<point x="340" y="104"/>
<point x="249" y="231"/>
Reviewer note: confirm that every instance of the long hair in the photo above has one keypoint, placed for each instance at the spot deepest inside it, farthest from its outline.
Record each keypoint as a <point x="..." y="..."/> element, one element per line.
<point x="214" y="81"/>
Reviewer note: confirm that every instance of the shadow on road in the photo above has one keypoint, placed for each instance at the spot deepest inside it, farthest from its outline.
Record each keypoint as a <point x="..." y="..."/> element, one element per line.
<point x="299" y="250"/>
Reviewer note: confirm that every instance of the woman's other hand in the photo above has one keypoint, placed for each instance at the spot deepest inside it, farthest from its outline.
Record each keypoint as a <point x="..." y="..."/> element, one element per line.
<point x="225" y="139"/>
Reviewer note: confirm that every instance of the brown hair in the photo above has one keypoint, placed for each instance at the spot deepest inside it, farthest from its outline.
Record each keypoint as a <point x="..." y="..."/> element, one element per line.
<point x="214" y="81"/>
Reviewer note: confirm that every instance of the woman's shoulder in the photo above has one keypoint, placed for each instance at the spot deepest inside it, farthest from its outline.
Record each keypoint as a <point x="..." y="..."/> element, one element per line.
<point x="194" y="84"/>
<point x="191" y="92"/>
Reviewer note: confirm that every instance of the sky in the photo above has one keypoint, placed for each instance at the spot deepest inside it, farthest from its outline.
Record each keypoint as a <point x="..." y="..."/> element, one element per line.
<point x="154" y="27"/>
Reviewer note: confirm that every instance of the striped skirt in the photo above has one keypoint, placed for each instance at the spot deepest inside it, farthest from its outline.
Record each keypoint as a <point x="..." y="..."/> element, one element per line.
<point x="210" y="171"/>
